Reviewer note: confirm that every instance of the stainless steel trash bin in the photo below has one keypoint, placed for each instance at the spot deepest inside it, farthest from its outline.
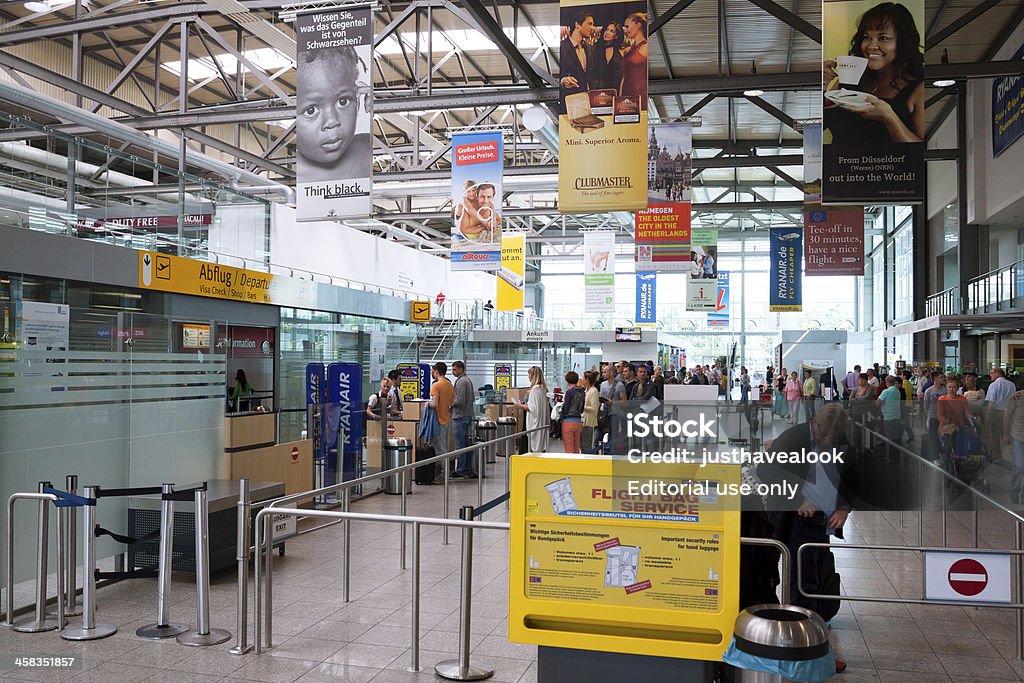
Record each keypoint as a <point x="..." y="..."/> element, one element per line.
<point x="784" y="632"/>
<point x="397" y="452"/>
<point x="506" y="427"/>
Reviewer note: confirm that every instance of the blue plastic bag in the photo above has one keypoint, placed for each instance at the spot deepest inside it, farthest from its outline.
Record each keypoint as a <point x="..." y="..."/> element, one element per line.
<point x="811" y="670"/>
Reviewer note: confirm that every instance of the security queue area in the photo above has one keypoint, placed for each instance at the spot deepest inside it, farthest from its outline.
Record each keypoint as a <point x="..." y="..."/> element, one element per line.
<point x="521" y="341"/>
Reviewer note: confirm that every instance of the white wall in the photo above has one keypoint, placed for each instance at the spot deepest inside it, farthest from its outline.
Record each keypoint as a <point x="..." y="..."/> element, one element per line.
<point x="993" y="183"/>
<point x="941" y="188"/>
<point x="800" y="345"/>
<point x="334" y="249"/>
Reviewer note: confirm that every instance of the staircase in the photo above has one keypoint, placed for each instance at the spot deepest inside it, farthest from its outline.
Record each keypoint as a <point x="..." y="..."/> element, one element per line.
<point x="438" y="340"/>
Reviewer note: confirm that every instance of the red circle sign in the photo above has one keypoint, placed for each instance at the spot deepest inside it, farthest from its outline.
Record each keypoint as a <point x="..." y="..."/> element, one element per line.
<point x="968" y="577"/>
<point x="295" y="452"/>
<point x="391" y="430"/>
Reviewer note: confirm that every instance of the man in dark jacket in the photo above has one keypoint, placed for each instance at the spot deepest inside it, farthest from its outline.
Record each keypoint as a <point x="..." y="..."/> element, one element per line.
<point x="576" y="55"/>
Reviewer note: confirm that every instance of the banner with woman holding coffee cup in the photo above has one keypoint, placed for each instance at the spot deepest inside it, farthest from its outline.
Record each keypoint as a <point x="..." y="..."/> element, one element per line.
<point x="873" y="108"/>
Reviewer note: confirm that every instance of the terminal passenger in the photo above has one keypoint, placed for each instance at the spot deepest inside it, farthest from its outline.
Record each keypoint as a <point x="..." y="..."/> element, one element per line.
<point x="954" y="413"/>
<point x="793" y="392"/>
<point x="1013" y="437"/>
<point x="591" y="410"/>
<point x="441" y="395"/>
<point x="810" y="390"/>
<point x="931" y="409"/>
<point x="462" y="415"/>
<point x="573" y="403"/>
<point x="612" y="393"/>
<point x="538" y="411"/>
<point x="999" y="392"/>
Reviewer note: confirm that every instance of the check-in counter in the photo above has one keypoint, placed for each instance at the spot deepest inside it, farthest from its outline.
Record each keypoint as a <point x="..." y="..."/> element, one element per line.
<point x="406" y="429"/>
<point x="412" y="409"/>
<point x="250" y="442"/>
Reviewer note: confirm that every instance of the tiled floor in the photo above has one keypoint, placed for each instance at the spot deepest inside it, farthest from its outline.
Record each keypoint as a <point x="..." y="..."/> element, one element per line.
<point x="318" y="637"/>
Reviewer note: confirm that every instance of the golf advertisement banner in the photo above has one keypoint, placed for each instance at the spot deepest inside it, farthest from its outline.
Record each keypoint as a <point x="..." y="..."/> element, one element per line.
<point x="599" y="271"/>
<point x="873" y="106"/>
<point x="834" y="240"/>
<point x="786" y="249"/>
<point x="602" y="126"/>
<point x="333" y="111"/>
<point x="477" y="167"/>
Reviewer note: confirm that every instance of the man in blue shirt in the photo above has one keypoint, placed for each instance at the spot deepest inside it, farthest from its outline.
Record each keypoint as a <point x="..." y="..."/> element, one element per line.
<point x="997" y="396"/>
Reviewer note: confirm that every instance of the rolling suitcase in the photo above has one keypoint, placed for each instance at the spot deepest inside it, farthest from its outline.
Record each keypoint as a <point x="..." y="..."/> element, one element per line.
<point x="425" y="474"/>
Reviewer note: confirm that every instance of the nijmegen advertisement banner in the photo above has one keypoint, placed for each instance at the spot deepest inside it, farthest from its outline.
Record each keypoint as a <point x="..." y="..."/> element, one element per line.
<point x="786" y="250"/>
<point x="646" y="299"/>
<point x="333" y="111"/>
<point x="834" y="240"/>
<point x="662" y="233"/>
<point x="602" y="127"/>
<point x="477" y="167"/>
<point x="511" y="277"/>
<point x="599" y="271"/>
<point x="1007" y="109"/>
<point x="873" y="117"/>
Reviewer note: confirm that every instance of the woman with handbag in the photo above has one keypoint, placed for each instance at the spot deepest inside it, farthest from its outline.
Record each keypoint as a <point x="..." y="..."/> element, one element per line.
<point x="537" y="410"/>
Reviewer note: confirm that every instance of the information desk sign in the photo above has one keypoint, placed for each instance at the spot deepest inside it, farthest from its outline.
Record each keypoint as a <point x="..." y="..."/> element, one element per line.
<point x="597" y="565"/>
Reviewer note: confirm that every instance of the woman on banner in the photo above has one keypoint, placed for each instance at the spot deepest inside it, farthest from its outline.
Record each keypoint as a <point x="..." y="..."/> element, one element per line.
<point x="893" y="108"/>
<point x="634" y="59"/>
<point x="606" y="68"/>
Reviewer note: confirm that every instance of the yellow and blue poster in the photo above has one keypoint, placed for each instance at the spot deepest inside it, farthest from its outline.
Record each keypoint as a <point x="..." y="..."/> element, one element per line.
<point x="602" y="126"/>
<point x="512" y="275"/>
<point x="477" y="167"/>
<point x="786" y="253"/>
<point x="646" y="299"/>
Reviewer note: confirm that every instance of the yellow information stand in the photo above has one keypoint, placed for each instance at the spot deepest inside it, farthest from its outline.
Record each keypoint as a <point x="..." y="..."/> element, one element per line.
<point x="595" y="566"/>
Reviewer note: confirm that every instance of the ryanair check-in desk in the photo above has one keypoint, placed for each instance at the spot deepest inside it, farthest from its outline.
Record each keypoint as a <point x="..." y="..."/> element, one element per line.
<point x="610" y="583"/>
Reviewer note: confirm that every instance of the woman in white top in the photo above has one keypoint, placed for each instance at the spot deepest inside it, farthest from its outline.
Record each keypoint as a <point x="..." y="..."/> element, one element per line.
<point x="538" y="410"/>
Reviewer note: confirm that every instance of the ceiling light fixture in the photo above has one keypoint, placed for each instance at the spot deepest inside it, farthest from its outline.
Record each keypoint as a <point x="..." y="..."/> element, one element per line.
<point x="944" y="83"/>
<point x="753" y="93"/>
<point x="38" y="6"/>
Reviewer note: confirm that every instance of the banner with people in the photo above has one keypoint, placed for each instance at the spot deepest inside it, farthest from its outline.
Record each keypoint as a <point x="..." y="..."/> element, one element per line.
<point x="873" y="108"/>
<point x="512" y="275"/>
<point x="477" y="167"/>
<point x="599" y="271"/>
<point x="834" y="240"/>
<point x="662" y="230"/>
<point x="720" y="318"/>
<point x="646" y="299"/>
<point x="602" y="123"/>
<point x="702" y="283"/>
<point x="786" y="250"/>
<point x="333" y="113"/>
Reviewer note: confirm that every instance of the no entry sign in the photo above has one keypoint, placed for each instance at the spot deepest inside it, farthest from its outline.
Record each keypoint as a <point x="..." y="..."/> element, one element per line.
<point x="967" y="577"/>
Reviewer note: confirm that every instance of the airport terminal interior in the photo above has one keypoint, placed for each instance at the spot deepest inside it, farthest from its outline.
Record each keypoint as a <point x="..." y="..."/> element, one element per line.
<point x="422" y="340"/>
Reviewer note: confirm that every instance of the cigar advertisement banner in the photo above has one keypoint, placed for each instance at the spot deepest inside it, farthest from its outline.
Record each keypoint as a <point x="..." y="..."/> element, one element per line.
<point x="512" y="275"/>
<point x="602" y="126"/>
<point x="834" y="240"/>
<point x="663" y="229"/>
<point x="646" y="299"/>
<point x="477" y="167"/>
<point x="599" y="271"/>
<point x="702" y="283"/>
<point x="873" y="105"/>
<point x="786" y="249"/>
<point x="333" y="111"/>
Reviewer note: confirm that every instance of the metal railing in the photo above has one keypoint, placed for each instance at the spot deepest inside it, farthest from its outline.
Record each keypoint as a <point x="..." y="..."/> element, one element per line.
<point x="996" y="290"/>
<point x="946" y="302"/>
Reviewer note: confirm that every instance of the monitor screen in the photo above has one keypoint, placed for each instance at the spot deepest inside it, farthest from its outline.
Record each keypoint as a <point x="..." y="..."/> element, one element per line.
<point x="627" y="334"/>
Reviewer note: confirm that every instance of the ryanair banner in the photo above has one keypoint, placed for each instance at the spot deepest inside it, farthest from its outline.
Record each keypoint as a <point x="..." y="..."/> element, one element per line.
<point x="646" y="299"/>
<point x="786" y="250"/>
<point x="873" y="118"/>
<point x="333" y="112"/>
<point x="602" y="127"/>
<point x="511" y="277"/>
<point x="477" y="167"/>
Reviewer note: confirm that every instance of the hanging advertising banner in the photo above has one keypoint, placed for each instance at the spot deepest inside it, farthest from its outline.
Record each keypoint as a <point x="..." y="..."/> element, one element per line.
<point x="720" y="318"/>
<point x="316" y="381"/>
<point x="873" y="116"/>
<point x="602" y="127"/>
<point x="646" y="299"/>
<point x="702" y="283"/>
<point x="1007" y="108"/>
<point x="599" y="271"/>
<point x="333" y="105"/>
<point x="344" y="437"/>
<point x="786" y="249"/>
<point x="512" y="276"/>
<point x="477" y="167"/>
<point x="834" y="240"/>
<point x="812" y="164"/>
<point x="663" y="229"/>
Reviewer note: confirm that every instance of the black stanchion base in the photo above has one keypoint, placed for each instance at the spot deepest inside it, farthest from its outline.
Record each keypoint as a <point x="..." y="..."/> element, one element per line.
<point x="31" y="625"/>
<point x="158" y="631"/>
<point x="95" y="633"/>
<point x="451" y="670"/>
<point x="216" y="636"/>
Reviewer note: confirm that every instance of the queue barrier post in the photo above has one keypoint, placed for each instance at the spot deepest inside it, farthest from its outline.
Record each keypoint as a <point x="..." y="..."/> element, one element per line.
<point x="40" y="621"/>
<point x="89" y="630"/>
<point x="163" y="628"/>
<point x="203" y="635"/>
<point x="242" y="555"/>
<point x="462" y="669"/>
<point x="72" y="608"/>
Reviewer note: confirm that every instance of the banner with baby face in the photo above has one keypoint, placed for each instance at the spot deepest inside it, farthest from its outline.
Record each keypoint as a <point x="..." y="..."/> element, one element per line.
<point x="333" y="112"/>
<point x="477" y="166"/>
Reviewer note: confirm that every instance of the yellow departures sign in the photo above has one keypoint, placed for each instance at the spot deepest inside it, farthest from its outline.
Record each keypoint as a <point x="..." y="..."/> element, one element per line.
<point x="595" y="566"/>
<point x="178" y="275"/>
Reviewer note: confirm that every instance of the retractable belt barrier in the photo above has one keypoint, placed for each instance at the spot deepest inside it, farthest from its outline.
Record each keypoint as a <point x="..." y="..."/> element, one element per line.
<point x="491" y="504"/>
